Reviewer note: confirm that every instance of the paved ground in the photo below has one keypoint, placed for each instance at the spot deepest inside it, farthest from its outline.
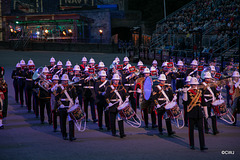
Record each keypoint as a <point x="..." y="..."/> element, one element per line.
<point x="25" y="138"/>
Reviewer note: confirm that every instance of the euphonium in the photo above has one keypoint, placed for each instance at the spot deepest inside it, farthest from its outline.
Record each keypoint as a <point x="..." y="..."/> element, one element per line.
<point x="44" y="84"/>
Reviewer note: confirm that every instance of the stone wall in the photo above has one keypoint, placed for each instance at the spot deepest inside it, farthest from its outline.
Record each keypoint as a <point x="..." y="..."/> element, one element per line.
<point x="102" y="20"/>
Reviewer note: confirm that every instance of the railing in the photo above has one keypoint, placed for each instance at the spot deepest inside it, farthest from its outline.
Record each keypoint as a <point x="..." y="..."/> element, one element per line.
<point x="226" y="43"/>
<point x="170" y="15"/>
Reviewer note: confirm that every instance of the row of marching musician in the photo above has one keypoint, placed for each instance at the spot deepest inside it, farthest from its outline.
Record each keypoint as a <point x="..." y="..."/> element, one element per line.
<point x="129" y="87"/>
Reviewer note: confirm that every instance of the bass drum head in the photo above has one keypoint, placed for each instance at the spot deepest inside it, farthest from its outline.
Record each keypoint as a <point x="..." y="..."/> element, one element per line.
<point x="147" y="88"/>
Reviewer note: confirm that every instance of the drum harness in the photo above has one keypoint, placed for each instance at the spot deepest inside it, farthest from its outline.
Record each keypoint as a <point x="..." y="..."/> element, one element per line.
<point x="120" y="100"/>
<point x="68" y="98"/>
<point x="211" y="92"/>
<point x="103" y="84"/>
<point x="164" y="94"/>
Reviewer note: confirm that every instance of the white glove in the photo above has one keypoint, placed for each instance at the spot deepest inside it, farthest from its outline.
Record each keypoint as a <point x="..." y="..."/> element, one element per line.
<point x="139" y="90"/>
<point x="185" y="98"/>
<point x="205" y="112"/>
<point x="76" y="101"/>
<point x="110" y="104"/>
<point x="103" y="93"/>
<point x="185" y="90"/>
<point x="158" y="106"/>
<point x="127" y="99"/>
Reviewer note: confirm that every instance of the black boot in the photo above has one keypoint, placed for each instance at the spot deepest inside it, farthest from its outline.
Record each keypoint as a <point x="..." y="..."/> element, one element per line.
<point x="214" y="125"/>
<point x="169" y="127"/>
<point x="71" y="131"/>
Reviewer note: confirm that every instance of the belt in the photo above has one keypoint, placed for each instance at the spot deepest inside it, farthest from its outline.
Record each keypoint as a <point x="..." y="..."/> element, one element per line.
<point x="128" y="84"/>
<point x="207" y="95"/>
<point x="88" y="87"/>
<point x="114" y="100"/>
<point x="62" y="106"/>
<point x="77" y="84"/>
<point x="179" y="78"/>
<point x="162" y="99"/>
<point x="28" y="79"/>
<point x="21" y="77"/>
<point x="64" y="100"/>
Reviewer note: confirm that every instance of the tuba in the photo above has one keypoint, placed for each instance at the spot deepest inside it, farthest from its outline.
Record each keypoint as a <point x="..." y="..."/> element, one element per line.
<point x="37" y="73"/>
<point x="44" y="84"/>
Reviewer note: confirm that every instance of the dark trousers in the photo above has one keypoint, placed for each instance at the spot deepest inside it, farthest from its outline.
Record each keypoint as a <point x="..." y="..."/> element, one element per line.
<point x="21" y="88"/>
<point x="43" y="103"/>
<point x="29" y="99"/>
<point x="113" y="116"/>
<point x="145" y="115"/>
<point x="133" y="102"/>
<point x="92" y="104"/>
<point x="36" y="104"/>
<point x="168" y="122"/>
<point x="100" y="108"/>
<point x="185" y="112"/>
<point x="191" y="123"/>
<point x="54" y="119"/>
<point x="63" y="120"/>
<point x="214" y="121"/>
<point x="80" y="100"/>
<point x="228" y="96"/>
<point x="15" y="85"/>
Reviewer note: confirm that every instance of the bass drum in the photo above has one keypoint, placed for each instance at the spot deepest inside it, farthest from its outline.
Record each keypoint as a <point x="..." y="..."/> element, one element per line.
<point x="147" y="88"/>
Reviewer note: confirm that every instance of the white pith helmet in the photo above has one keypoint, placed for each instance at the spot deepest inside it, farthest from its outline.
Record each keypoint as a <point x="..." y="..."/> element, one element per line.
<point x="116" y="77"/>
<point x="68" y="63"/>
<point x="102" y="73"/>
<point x="207" y="75"/>
<point x="140" y="63"/>
<point x="76" y="68"/>
<point x="55" y="77"/>
<point x="52" y="60"/>
<point x="101" y="64"/>
<point x="188" y="79"/>
<point x="84" y="59"/>
<point x="45" y="70"/>
<point x="64" y="77"/>
<point x="194" y="80"/>
<point x="146" y="70"/>
<point x="59" y="63"/>
<point x="162" y="77"/>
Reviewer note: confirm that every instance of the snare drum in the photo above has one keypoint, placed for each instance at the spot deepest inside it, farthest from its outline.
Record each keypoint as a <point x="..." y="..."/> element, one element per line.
<point x="173" y="110"/>
<point x="219" y="107"/>
<point x="76" y="113"/>
<point x="125" y="111"/>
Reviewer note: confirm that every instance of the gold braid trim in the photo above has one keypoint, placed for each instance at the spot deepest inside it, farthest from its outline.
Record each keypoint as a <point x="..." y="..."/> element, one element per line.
<point x="194" y="101"/>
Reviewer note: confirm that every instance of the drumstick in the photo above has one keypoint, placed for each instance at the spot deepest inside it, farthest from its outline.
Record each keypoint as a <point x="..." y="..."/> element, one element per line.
<point x="111" y="105"/>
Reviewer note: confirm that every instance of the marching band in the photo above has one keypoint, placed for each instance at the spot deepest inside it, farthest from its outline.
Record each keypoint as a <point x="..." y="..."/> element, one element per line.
<point x="119" y="90"/>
